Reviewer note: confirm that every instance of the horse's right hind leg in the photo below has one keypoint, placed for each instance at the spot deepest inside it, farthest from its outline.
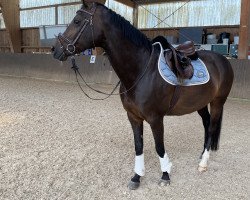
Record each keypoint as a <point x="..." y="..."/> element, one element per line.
<point x="206" y="121"/>
<point x="216" y="112"/>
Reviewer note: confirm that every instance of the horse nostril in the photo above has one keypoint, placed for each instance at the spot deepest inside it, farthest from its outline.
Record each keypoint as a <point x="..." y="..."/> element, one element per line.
<point x="52" y="48"/>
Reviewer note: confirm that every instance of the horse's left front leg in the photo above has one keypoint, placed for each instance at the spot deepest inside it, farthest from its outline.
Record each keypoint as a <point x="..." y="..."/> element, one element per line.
<point x="137" y="126"/>
<point x="158" y="132"/>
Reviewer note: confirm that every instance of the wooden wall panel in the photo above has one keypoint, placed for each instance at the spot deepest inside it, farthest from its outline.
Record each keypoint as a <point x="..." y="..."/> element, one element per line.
<point x="4" y="41"/>
<point x="11" y="15"/>
<point x="30" y="37"/>
<point x="30" y="41"/>
<point x="4" y="38"/>
<point x="244" y="42"/>
<point x="150" y="33"/>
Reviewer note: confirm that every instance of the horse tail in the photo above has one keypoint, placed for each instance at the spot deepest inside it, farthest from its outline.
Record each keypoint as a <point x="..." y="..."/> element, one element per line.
<point x="215" y="137"/>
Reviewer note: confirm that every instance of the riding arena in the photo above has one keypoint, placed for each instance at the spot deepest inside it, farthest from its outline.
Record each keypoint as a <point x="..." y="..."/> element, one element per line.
<point x="125" y="99"/>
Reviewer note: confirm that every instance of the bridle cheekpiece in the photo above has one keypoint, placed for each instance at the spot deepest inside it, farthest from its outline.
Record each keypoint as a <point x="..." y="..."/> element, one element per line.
<point x="70" y="45"/>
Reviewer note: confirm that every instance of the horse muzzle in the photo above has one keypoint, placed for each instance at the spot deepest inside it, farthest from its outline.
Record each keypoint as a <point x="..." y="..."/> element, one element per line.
<point x="59" y="54"/>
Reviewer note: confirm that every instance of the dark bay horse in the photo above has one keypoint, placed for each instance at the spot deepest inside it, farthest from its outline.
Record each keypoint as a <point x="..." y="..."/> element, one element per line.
<point x="149" y="98"/>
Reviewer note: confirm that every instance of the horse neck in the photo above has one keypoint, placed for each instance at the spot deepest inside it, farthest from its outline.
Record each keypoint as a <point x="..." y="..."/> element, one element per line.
<point x="128" y="60"/>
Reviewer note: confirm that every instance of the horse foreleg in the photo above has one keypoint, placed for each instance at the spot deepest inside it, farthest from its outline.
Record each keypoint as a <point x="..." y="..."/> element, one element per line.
<point x="158" y="133"/>
<point x="137" y="126"/>
<point x="216" y="112"/>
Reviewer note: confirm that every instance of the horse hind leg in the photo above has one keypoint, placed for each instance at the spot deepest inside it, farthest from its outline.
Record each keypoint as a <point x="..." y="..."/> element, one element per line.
<point x="206" y="121"/>
<point x="158" y="133"/>
<point x="214" y="130"/>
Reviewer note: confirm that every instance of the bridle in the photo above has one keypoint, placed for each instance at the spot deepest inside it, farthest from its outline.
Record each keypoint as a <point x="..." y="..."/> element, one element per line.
<point x="71" y="50"/>
<point x="70" y="45"/>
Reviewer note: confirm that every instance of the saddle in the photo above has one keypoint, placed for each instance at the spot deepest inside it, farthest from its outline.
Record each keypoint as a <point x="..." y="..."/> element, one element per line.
<point x="178" y="59"/>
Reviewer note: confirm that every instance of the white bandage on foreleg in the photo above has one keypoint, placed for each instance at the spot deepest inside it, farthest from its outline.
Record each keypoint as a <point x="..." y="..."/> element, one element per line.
<point x="139" y="165"/>
<point x="204" y="159"/>
<point x="165" y="163"/>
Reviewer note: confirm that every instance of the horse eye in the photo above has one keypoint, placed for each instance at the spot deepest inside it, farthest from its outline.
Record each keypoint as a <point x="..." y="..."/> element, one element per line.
<point x="76" y="21"/>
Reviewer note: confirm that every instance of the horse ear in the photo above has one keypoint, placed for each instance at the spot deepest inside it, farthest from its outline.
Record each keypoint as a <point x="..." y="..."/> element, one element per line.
<point x="84" y="3"/>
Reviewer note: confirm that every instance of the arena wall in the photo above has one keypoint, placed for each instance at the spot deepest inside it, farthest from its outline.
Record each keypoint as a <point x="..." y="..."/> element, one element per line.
<point x="43" y="66"/>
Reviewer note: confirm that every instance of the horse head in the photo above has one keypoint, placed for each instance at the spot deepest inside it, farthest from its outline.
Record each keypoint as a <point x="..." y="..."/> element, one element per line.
<point x="84" y="32"/>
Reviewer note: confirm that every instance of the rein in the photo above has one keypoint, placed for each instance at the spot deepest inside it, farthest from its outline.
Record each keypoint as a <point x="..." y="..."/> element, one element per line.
<point x="76" y="70"/>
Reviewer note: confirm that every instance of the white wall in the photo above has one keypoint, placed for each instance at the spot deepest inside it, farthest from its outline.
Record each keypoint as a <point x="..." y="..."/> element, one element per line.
<point x="194" y="13"/>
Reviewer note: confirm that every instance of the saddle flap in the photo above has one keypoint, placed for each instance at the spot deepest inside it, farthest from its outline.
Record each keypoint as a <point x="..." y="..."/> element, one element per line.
<point x="179" y="63"/>
<point x="188" y="71"/>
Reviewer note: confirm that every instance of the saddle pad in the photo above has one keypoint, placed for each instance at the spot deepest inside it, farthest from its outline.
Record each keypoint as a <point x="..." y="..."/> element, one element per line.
<point x="201" y="75"/>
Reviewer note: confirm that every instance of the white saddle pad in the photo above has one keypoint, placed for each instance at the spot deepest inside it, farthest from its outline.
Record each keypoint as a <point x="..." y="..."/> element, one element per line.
<point x="201" y="75"/>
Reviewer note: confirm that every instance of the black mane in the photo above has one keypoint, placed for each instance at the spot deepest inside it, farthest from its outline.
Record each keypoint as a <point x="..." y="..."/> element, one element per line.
<point x="129" y="31"/>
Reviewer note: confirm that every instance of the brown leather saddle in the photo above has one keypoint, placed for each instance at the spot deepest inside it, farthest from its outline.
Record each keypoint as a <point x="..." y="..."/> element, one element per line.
<point x="178" y="59"/>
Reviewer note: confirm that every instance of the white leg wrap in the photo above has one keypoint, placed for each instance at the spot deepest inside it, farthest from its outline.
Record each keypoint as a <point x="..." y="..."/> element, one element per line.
<point x="165" y="163"/>
<point x="204" y="160"/>
<point x="139" y="165"/>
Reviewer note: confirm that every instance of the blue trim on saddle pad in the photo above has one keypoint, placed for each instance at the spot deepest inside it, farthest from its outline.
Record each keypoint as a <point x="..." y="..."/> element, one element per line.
<point x="201" y="75"/>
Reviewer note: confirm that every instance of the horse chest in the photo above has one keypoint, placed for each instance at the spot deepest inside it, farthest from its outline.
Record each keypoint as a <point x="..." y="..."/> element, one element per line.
<point x="133" y="106"/>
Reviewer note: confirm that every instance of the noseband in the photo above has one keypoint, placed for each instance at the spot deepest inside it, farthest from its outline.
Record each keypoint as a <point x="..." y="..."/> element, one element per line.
<point x="70" y="45"/>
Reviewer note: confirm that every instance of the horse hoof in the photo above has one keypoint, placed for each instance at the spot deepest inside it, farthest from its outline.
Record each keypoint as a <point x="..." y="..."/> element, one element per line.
<point x="133" y="185"/>
<point x="164" y="183"/>
<point x="202" y="169"/>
